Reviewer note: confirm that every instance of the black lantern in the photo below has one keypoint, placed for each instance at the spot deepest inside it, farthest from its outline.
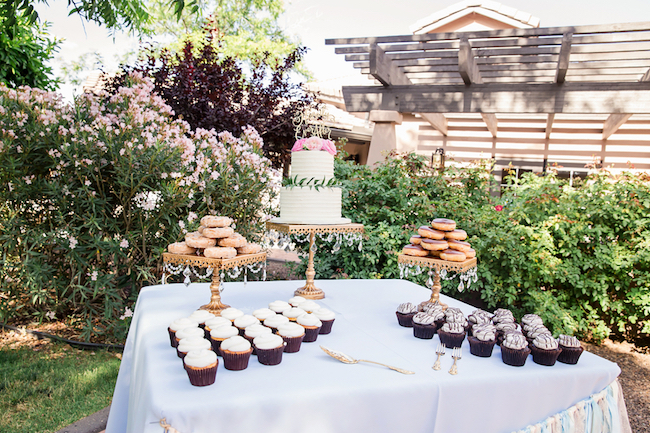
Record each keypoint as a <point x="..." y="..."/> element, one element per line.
<point x="438" y="159"/>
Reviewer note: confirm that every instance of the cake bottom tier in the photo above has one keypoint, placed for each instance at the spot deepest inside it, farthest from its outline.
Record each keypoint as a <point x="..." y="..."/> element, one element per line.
<point x="303" y="205"/>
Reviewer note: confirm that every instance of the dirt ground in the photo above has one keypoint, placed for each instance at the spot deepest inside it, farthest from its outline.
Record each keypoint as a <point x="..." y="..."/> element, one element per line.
<point x="633" y="361"/>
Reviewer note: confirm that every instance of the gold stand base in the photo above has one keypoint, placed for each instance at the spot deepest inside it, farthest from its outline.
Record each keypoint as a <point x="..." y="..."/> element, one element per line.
<point x="309" y="291"/>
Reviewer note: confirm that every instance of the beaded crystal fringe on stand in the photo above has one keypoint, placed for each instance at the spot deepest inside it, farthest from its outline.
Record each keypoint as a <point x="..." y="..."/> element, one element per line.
<point x="275" y="239"/>
<point x="466" y="278"/>
<point x="233" y="273"/>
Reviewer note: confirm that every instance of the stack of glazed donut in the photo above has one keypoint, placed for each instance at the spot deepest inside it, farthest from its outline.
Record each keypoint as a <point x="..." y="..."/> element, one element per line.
<point x="214" y="239"/>
<point x="441" y="240"/>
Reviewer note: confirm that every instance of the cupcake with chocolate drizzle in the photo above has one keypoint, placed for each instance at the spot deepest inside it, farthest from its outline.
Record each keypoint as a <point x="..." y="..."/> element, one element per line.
<point x="482" y="340"/>
<point x="514" y="349"/>
<point x="424" y="326"/>
<point x="571" y="349"/>
<point x="545" y="350"/>
<point x="405" y="313"/>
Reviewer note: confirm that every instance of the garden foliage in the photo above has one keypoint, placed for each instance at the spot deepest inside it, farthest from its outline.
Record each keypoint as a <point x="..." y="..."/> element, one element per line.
<point x="578" y="256"/>
<point x="92" y="194"/>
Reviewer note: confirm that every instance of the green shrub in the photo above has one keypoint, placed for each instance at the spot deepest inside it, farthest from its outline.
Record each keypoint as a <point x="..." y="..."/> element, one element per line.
<point x="93" y="194"/>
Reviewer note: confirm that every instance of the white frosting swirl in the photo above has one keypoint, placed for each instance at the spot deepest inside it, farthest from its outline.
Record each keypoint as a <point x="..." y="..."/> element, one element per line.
<point x="423" y="319"/>
<point x="485" y="333"/>
<point x="231" y="313"/>
<point x="268" y="341"/>
<point x="193" y="343"/>
<point x="531" y="319"/>
<point x="190" y="332"/>
<point x="507" y="326"/>
<point x="257" y="330"/>
<point x="236" y="344"/>
<point x="480" y="317"/>
<point x="184" y="322"/>
<point x="200" y="358"/>
<point x="291" y="330"/>
<point x="431" y="307"/>
<point x="245" y="321"/>
<point x="223" y="332"/>
<point x="275" y="321"/>
<point x="263" y="313"/>
<point x="324" y="314"/>
<point x="453" y="328"/>
<point x="454" y="316"/>
<point x="294" y="312"/>
<point x="309" y="321"/>
<point x="546" y="342"/>
<point x="309" y="306"/>
<point x="537" y="331"/>
<point x="279" y="306"/>
<point x="297" y="300"/>
<point x="407" y="308"/>
<point x="568" y="341"/>
<point x="514" y="341"/>
<point x="215" y="322"/>
<point x="201" y="316"/>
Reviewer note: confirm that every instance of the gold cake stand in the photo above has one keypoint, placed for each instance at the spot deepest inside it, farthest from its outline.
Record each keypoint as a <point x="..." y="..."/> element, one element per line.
<point x="436" y="265"/>
<point x="309" y="290"/>
<point x="215" y="306"/>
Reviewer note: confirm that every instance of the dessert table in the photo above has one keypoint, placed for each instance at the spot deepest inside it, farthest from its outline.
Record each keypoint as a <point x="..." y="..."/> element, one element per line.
<point x="312" y="392"/>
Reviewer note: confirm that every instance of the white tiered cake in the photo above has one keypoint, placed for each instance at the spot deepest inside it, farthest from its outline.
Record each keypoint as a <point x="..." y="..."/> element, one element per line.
<point x="311" y="203"/>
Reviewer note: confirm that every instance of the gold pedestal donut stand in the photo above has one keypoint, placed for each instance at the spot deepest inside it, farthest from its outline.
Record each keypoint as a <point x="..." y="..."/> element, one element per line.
<point x="436" y="265"/>
<point x="215" y="306"/>
<point x="309" y="290"/>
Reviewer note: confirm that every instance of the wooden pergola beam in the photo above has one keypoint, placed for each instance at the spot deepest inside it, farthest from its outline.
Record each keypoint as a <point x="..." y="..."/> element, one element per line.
<point x="563" y="60"/>
<point x="468" y="70"/>
<point x="383" y="69"/>
<point x="578" y="98"/>
<point x="549" y="125"/>
<point x="616" y="120"/>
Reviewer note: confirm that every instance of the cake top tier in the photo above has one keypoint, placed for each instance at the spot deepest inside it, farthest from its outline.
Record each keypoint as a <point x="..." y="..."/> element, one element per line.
<point x="317" y="165"/>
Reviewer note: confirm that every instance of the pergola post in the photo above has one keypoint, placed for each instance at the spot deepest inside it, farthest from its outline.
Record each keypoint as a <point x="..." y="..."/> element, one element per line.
<point x="384" y="138"/>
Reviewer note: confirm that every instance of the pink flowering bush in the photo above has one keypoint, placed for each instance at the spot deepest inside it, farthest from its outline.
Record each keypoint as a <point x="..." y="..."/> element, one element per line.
<point x="93" y="193"/>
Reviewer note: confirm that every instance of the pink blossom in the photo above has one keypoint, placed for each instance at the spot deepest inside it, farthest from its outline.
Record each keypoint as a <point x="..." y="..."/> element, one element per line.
<point x="73" y="242"/>
<point x="299" y="145"/>
<point x="124" y="243"/>
<point x="330" y="147"/>
<point x="498" y="208"/>
<point x="127" y="313"/>
<point x="314" y="143"/>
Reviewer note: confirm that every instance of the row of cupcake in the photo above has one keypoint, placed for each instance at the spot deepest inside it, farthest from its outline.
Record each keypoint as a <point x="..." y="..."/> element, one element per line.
<point x="235" y="336"/>
<point x="484" y="330"/>
<point x="441" y="240"/>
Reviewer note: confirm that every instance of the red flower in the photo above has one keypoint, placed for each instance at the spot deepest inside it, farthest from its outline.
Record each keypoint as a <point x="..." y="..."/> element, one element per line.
<point x="498" y="208"/>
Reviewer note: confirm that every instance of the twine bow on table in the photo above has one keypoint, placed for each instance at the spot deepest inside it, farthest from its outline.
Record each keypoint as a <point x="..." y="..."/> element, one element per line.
<point x="168" y="428"/>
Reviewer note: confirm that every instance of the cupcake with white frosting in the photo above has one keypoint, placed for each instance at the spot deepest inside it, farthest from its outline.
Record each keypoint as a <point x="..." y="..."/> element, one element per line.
<point x="221" y="334"/>
<point x="452" y="334"/>
<point x="236" y="351"/>
<point x="201" y="367"/>
<point x="545" y="350"/>
<point x="201" y="316"/>
<point x="274" y="322"/>
<point x="243" y="322"/>
<point x="292" y="334"/>
<point x="310" y="306"/>
<point x="189" y="332"/>
<point x="177" y="325"/>
<point x="192" y="343"/>
<point x="279" y="306"/>
<point x="571" y="349"/>
<point x="327" y="319"/>
<point x="293" y="313"/>
<point x="482" y="340"/>
<point x="215" y="322"/>
<point x="514" y="349"/>
<point x="253" y="331"/>
<point x="262" y="314"/>
<point x="424" y="326"/>
<point x="296" y="301"/>
<point x="312" y="325"/>
<point x="269" y="348"/>
<point x="405" y="313"/>
<point x="231" y="313"/>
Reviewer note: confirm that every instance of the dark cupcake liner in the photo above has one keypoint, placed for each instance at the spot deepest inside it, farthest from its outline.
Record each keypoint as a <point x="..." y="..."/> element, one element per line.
<point x="202" y="376"/>
<point x="293" y="343"/>
<point x="425" y="332"/>
<point x="450" y="339"/>
<point x="172" y="337"/>
<point x="270" y="356"/>
<point x="481" y="348"/>
<point x="216" y="345"/>
<point x="235" y="361"/>
<point x="311" y="334"/>
<point x="544" y="356"/>
<point x="514" y="357"/>
<point x="327" y="326"/>
<point x="405" y="320"/>
<point x="570" y="355"/>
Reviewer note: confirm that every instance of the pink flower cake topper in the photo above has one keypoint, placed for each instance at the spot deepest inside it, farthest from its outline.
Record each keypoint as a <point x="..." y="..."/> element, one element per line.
<point x="315" y="144"/>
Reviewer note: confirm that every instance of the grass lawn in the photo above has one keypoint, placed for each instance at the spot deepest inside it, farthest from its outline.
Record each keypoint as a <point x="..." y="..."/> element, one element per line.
<point x="45" y="386"/>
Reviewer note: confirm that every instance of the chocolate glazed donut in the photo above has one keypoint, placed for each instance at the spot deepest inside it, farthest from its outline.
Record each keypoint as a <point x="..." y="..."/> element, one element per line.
<point x="434" y="245"/>
<point x="428" y="232"/>
<point x="443" y="224"/>
<point x="453" y="256"/>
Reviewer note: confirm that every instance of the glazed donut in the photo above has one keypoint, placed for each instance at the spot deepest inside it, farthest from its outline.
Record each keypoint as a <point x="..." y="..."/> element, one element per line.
<point x="415" y="239"/>
<point x="415" y="250"/>
<point x="249" y="249"/>
<point x="235" y="241"/>
<point x="435" y="253"/>
<point x="457" y="235"/>
<point x="218" y="232"/>
<point x="453" y="256"/>
<point x="443" y="224"/>
<point x="470" y="253"/>
<point x="434" y="245"/>
<point x="215" y="221"/>
<point x="199" y="241"/>
<point x="459" y="245"/>
<point x="180" y="248"/>
<point x="428" y="232"/>
<point x="220" y="252"/>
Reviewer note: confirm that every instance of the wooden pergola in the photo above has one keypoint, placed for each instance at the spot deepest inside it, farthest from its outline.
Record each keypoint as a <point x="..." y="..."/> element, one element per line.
<point x="586" y="70"/>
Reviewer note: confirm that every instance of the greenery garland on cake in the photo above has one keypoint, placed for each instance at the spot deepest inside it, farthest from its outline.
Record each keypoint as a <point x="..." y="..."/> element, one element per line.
<point x="312" y="144"/>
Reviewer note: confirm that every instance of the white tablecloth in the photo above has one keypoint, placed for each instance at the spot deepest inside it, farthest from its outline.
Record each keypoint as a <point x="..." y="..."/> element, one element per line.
<point x="313" y="393"/>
